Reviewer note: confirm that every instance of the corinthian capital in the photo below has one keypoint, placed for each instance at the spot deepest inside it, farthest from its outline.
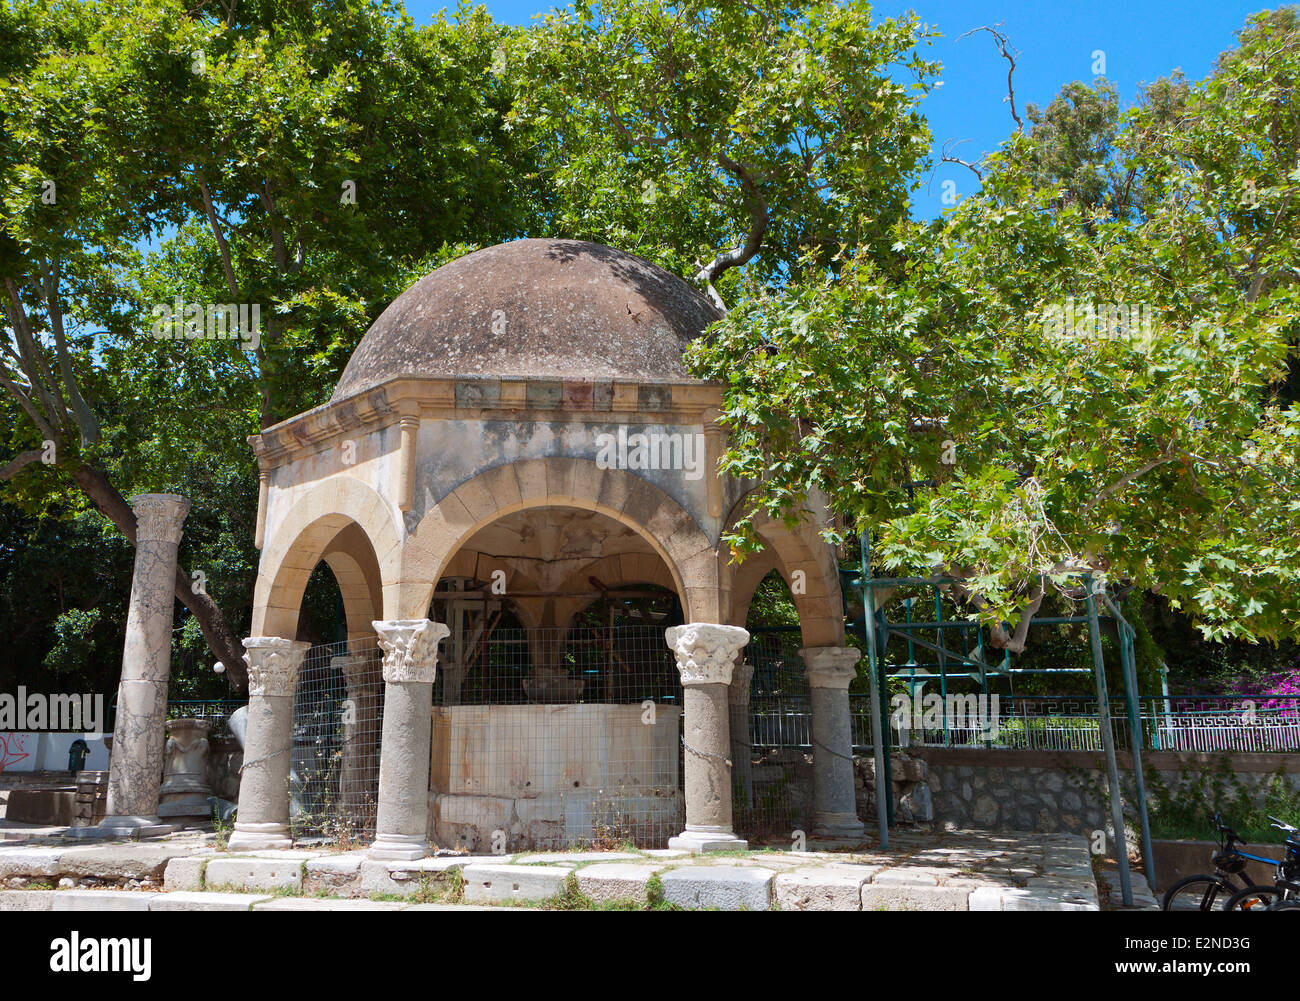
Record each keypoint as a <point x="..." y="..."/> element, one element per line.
<point x="158" y="517"/>
<point x="706" y="652"/>
<point x="410" y="649"/>
<point x="830" y="666"/>
<point x="273" y="664"/>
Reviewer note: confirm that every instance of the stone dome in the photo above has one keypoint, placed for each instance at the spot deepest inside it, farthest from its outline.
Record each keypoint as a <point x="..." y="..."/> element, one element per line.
<point x="559" y="309"/>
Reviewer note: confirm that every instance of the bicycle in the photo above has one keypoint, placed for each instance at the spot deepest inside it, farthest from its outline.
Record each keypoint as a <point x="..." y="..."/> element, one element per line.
<point x="1286" y="879"/>
<point x="1203" y="891"/>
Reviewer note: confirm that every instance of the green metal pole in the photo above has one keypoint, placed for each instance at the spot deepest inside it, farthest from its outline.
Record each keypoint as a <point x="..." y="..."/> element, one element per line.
<point x="1108" y="745"/>
<point x="880" y="741"/>
<point x="1131" y="695"/>
<point x="943" y="666"/>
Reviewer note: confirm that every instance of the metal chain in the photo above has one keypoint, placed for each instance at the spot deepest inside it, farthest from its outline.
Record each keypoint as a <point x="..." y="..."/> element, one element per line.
<point x="265" y="757"/>
<point x="820" y="745"/>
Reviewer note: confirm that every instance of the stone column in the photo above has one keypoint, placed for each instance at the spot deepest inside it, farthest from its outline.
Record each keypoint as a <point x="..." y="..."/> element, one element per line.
<point x="410" y="662"/>
<point x="360" y="733"/>
<point x="135" y="770"/>
<point x="742" y="678"/>
<point x="835" y="814"/>
<point x="706" y="655"/>
<point x="263" y="818"/>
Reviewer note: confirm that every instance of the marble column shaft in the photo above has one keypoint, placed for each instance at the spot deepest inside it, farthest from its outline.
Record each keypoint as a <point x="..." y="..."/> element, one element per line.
<point x="263" y="818"/>
<point x="410" y="664"/>
<point x="135" y="771"/>
<point x="830" y="672"/>
<point x="706" y="656"/>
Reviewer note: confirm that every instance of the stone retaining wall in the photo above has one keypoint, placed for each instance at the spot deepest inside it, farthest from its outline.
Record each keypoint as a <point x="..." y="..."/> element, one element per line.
<point x="1061" y="791"/>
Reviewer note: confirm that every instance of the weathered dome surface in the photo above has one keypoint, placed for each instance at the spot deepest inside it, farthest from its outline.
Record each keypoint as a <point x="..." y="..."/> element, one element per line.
<point x="561" y="309"/>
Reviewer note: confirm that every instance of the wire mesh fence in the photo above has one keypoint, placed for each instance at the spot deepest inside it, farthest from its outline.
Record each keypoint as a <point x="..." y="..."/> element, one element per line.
<point x="337" y="725"/>
<point x="552" y="738"/>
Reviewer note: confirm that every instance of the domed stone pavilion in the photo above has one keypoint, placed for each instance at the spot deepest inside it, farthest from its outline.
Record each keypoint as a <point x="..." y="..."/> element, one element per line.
<point x="517" y="440"/>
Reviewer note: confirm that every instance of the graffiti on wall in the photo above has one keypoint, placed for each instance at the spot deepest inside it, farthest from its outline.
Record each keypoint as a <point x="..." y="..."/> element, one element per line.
<point x="12" y="749"/>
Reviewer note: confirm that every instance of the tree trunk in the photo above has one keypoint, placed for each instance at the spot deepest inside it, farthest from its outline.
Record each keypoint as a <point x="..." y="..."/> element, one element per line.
<point x="221" y="640"/>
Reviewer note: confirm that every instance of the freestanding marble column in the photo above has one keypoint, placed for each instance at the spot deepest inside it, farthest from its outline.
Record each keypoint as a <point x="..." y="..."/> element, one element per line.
<point x="263" y="818"/>
<point x="706" y="655"/>
<point x="410" y="663"/>
<point x="835" y="815"/>
<point x="360" y="733"/>
<point x="135" y="770"/>
<point x="742" y="765"/>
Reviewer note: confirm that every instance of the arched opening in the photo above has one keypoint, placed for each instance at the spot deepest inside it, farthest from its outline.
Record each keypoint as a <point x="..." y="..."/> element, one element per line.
<point x="557" y="702"/>
<point x="326" y="590"/>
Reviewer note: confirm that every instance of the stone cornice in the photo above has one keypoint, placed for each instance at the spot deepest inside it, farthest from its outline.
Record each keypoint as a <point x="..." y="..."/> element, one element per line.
<point x="439" y="398"/>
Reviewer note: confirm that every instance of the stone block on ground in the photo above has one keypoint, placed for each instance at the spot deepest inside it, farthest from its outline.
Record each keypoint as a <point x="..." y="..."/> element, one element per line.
<point x="327" y="904"/>
<point x="188" y="901"/>
<point x="184" y="873"/>
<point x="727" y="888"/>
<point x="834" y="887"/>
<point x="616" y="881"/>
<point x="26" y="900"/>
<point x="30" y="862"/>
<point x="238" y="874"/>
<point x="135" y="861"/>
<point x="487" y="883"/>
<point x="406" y="879"/>
<point x="100" y="900"/>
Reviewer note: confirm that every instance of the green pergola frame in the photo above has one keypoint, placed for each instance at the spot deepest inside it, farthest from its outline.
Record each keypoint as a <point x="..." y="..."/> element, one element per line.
<point x="876" y="631"/>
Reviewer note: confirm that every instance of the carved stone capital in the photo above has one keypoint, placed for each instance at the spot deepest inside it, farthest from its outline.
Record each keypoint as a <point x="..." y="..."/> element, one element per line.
<point x="706" y="652"/>
<point x="159" y="517"/>
<point x="830" y="666"/>
<point x="410" y="649"/>
<point x="273" y="664"/>
<point x="358" y="669"/>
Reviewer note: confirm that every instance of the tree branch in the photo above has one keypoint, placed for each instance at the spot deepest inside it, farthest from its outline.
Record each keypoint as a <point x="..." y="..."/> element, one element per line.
<point x="18" y="463"/>
<point x="1010" y="57"/>
<point x="744" y="252"/>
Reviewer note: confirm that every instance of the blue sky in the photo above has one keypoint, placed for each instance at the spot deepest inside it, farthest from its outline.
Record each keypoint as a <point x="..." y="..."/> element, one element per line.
<point x="1141" y="39"/>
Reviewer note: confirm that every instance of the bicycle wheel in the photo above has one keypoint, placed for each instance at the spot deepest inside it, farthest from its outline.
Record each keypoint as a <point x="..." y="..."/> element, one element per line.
<point x="1253" y="898"/>
<point x="1202" y="892"/>
<point x="1286" y="905"/>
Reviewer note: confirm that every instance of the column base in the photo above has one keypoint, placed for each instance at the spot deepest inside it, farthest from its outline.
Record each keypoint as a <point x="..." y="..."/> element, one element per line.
<point x="844" y="828"/>
<point x="256" y="837"/>
<point x="696" y="842"/>
<point x="399" y="847"/>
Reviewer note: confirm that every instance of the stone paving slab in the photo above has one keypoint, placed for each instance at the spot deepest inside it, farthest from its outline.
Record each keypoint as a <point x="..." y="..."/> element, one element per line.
<point x="952" y="871"/>
<point x="495" y="883"/>
<point x="254" y="873"/>
<point x="726" y="888"/>
<point x="328" y="904"/>
<point x="604" y="881"/>
<point x="100" y="900"/>
<point x="830" y="887"/>
<point x="185" y="901"/>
